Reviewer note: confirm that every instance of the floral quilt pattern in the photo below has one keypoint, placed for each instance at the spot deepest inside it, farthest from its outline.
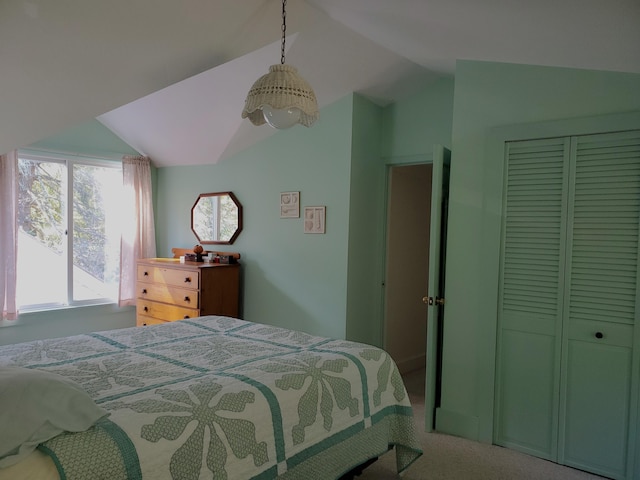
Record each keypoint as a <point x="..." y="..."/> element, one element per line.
<point x="216" y="397"/>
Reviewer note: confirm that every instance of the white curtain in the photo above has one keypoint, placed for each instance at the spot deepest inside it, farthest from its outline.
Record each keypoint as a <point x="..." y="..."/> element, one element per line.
<point x="8" y="233"/>
<point x="139" y="233"/>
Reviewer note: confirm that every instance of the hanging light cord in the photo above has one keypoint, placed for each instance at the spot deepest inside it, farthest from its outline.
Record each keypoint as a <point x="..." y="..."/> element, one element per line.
<point x="284" y="30"/>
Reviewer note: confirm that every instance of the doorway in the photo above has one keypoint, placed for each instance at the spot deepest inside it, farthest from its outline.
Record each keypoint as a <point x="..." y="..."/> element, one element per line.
<point x="407" y="264"/>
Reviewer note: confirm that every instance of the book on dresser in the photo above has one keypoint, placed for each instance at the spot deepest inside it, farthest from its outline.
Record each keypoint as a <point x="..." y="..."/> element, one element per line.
<point x="169" y="290"/>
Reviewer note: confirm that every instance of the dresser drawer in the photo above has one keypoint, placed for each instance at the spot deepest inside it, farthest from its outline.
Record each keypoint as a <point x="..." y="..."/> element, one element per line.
<point x="164" y="311"/>
<point x="169" y="276"/>
<point x="143" y="321"/>
<point x="169" y="290"/>
<point x="169" y="294"/>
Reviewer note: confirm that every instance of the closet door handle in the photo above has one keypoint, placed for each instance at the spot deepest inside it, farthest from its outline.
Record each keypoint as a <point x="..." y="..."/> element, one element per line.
<point x="599" y="335"/>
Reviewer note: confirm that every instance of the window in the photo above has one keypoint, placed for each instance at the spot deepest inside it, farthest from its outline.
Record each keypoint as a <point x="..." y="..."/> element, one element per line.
<point x="68" y="231"/>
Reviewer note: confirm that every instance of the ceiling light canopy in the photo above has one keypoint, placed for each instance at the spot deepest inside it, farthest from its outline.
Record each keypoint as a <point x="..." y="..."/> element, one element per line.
<point x="281" y="98"/>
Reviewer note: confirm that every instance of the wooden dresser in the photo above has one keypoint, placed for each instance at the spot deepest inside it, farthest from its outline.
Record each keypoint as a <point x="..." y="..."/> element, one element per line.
<point x="169" y="290"/>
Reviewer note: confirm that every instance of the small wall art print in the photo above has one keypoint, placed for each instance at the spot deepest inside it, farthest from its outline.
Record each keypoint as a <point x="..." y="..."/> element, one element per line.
<point x="314" y="219"/>
<point x="290" y="205"/>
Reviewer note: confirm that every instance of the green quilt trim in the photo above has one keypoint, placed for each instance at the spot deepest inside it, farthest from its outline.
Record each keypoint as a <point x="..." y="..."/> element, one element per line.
<point x="276" y="414"/>
<point x="112" y="452"/>
<point x="389" y="418"/>
<point x="324" y="445"/>
<point x="127" y="449"/>
<point x="357" y="447"/>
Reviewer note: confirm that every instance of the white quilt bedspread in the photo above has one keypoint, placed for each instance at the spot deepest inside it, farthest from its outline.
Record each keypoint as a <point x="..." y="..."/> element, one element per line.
<point x="216" y="397"/>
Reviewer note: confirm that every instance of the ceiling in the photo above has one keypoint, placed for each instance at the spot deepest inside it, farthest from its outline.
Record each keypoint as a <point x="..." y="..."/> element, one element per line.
<point x="170" y="78"/>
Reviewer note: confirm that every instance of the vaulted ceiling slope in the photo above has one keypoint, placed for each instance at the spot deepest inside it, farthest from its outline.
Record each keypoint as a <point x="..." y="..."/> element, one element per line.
<point x="170" y="77"/>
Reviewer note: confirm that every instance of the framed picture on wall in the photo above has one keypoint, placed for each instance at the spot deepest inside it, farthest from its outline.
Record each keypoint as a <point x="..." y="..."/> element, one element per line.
<point x="290" y="205"/>
<point x="314" y="219"/>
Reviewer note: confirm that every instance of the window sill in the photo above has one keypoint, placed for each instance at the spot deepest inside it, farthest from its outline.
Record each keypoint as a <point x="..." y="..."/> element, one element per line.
<point x="44" y="315"/>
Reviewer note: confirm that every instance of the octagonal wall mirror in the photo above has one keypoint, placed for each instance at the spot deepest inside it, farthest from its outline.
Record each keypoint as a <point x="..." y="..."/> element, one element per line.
<point x="216" y="218"/>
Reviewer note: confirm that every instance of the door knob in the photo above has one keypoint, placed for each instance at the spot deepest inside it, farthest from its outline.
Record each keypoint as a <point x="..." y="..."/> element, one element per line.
<point x="430" y="301"/>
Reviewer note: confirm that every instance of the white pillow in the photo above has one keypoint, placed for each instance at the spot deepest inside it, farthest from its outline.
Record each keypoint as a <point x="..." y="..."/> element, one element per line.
<point x="35" y="406"/>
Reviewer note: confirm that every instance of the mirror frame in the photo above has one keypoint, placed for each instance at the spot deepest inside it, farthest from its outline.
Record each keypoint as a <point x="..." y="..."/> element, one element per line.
<point x="235" y="200"/>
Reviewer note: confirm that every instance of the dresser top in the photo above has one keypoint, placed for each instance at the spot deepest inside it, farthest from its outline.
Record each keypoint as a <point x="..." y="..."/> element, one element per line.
<point x="176" y="263"/>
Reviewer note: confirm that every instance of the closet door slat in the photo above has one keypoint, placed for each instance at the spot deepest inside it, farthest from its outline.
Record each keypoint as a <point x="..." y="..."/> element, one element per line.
<point x="605" y="228"/>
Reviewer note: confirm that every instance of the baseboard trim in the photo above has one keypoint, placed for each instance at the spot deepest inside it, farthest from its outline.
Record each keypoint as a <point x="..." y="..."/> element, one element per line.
<point x="412" y="363"/>
<point x="455" y="423"/>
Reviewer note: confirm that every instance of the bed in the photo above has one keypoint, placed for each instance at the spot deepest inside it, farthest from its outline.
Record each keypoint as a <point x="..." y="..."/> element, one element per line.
<point x="217" y="397"/>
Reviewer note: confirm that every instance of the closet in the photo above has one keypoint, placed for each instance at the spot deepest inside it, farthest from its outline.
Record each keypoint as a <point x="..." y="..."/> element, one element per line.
<point x="567" y="358"/>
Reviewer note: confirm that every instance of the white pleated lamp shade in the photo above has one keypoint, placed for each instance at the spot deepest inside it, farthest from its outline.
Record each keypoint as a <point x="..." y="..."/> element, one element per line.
<point x="281" y="98"/>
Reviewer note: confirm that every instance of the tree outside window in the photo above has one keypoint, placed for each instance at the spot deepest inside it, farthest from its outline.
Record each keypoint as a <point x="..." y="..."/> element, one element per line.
<point x="69" y="233"/>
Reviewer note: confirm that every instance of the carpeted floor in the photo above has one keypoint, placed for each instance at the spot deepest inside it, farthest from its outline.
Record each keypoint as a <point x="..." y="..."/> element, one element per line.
<point x="451" y="458"/>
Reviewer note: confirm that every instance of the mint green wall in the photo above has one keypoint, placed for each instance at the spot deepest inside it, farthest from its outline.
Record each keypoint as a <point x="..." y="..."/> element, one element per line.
<point x="290" y="279"/>
<point x="65" y="321"/>
<point x="323" y="284"/>
<point x="408" y="130"/>
<point x="90" y="138"/>
<point x="365" y="275"/>
<point x="488" y="95"/>
<point x="412" y="126"/>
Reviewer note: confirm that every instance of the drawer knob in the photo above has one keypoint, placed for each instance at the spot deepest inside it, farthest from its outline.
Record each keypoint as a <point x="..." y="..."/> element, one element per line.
<point x="599" y="335"/>
<point x="146" y="274"/>
<point x="146" y="309"/>
<point x="187" y="280"/>
<point x="144" y="291"/>
<point x="186" y="316"/>
<point x="144" y="324"/>
<point x="187" y="299"/>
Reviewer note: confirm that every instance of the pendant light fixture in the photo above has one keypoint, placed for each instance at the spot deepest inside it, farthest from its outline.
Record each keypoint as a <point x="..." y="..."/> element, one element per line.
<point x="281" y="98"/>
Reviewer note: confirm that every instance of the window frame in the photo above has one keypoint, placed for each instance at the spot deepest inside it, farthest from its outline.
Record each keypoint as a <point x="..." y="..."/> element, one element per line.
<point x="69" y="160"/>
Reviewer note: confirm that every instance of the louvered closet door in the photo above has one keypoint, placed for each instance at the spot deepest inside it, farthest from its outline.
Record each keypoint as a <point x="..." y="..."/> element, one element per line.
<point x="530" y="303"/>
<point x="600" y="311"/>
